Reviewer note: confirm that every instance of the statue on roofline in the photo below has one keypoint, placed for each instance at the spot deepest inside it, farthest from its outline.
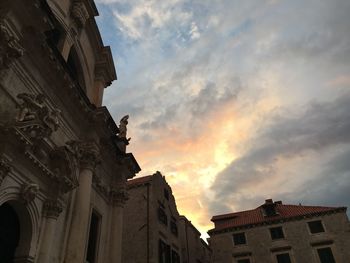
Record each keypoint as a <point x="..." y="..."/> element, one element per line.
<point x="122" y="127"/>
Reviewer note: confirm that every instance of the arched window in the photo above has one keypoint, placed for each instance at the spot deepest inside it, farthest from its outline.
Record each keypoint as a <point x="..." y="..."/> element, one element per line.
<point x="75" y="68"/>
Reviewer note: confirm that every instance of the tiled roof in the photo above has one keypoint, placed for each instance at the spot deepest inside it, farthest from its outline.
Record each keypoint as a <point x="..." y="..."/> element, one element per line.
<point x="139" y="181"/>
<point x="257" y="217"/>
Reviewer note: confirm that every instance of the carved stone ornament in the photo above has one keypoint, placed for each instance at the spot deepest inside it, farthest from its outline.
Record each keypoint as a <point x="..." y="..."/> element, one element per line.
<point x="35" y="118"/>
<point x="29" y="192"/>
<point x="52" y="208"/>
<point x="122" y="127"/>
<point x="10" y="49"/>
<point x="65" y="166"/>
<point x="87" y="153"/>
<point x="79" y="13"/>
<point x="118" y="196"/>
<point x="5" y="168"/>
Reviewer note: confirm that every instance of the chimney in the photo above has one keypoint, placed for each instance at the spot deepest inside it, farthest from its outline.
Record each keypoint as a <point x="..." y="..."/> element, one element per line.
<point x="278" y="202"/>
<point x="268" y="201"/>
<point x="269" y="208"/>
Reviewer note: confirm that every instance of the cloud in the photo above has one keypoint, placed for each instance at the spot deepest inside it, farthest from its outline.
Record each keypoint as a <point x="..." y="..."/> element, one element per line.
<point x="290" y="140"/>
<point x="234" y="101"/>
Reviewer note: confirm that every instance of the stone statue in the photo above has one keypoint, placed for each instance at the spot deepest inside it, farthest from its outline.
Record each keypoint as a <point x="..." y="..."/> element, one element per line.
<point x="31" y="106"/>
<point x="122" y="127"/>
<point x="52" y="119"/>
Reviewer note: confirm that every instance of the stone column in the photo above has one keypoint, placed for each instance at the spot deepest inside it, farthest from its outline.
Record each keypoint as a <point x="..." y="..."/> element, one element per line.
<point x="88" y="155"/>
<point x="51" y="211"/>
<point x="118" y="198"/>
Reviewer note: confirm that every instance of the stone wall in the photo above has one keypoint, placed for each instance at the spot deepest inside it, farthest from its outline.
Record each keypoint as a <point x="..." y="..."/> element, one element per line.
<point x="298" y="242"/>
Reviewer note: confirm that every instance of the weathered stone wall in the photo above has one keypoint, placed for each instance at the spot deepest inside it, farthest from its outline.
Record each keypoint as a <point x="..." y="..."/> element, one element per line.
<point x="60" y="156"/>
<point x="299" y="242"/>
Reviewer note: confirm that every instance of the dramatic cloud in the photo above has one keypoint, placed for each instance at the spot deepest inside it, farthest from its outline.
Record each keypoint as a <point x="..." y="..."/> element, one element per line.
<point x="235" y="101"/>
<point x="287" y="150"/>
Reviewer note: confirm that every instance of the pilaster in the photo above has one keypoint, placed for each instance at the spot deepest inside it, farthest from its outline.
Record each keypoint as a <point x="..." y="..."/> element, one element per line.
<point x="5" y="168"/>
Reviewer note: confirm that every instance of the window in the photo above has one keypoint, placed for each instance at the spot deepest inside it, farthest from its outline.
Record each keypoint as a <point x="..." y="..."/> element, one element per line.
<point x="283" y="258"/>
<point x="175" y="258"/>
<point x="164" y="252"/>
<point x="316" y="227"/>
<point x="75" y="68"/>
<point x="325" y="255"/>
<point x="163" y="218"/>
<point x="246" y="260"/>
<point x="276" y="233"/>
<point x="93" y="238"/>
<point x="239" y="239"/>
<point x="173" y="227"/>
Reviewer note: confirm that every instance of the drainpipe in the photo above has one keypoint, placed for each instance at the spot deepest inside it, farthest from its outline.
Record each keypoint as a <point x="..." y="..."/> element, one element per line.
<point x="147" y="223"/>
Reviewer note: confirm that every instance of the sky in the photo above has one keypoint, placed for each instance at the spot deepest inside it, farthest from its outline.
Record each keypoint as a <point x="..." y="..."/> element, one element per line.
<point x="234" y="101"/>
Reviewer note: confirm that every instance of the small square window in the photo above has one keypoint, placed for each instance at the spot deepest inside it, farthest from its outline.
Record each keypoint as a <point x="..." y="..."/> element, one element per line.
<point x="276" y="233"/>
<point x="164" y="253"/>
<point x="175" y="258"/>
<point x="162" y="216"/>
<point x="316" y="227"/>
<point x="325" y="255"/>
<point x="173" y="227"/>
<point x="239" y="239"/>
<point x="283" y="258"/>
<point x="246" y="260"/>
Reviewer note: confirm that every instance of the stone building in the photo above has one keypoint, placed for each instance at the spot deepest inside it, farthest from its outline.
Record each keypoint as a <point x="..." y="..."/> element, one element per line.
<point x="193" y="247"/>
<point x="63" y="160"/>
<point x="275" y="232"/>
<point x="154" y="232"/>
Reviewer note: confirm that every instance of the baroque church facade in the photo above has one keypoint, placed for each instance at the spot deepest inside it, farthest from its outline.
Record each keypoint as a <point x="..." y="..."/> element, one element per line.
<point x="63" y="159"/>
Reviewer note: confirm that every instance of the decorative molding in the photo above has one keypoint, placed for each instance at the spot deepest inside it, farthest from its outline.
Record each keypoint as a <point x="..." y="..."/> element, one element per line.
<point x="29" y="191"/>
<point x="80" y="13"/>
<point x="10" y="49"/>
<point x="87" y="153"/>
<point x="242" y="254"/>
<point x="101" y="188"/>
<point x="279" y="249"/>
<point x="322" y="243"/>
<point x="5" y="168"/>
<point x="104" y="67"/>
<point x="118" y="196"/>
<point x="34" y="118"/>
<point x="52" y="208"/>
<point x="64" y="165"/>
<point x="27" y="259"/>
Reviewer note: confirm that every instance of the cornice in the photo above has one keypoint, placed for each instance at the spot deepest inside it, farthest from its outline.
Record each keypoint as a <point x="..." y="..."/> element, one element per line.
<point x="104" y="67"/>
<point x="277" y="221"/>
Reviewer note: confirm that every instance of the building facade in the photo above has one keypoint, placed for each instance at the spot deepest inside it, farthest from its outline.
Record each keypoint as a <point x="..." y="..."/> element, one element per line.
<point x="63" y="159"/>
<point x="275" y="232"/>
<point x="154" y="232"/>
<point x="193" y="247"/>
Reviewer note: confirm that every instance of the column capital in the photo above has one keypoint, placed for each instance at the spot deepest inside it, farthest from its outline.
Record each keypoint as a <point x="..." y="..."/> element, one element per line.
<point x="29" y="191"/>
<point x="52" y="208"/>
<point x="118" y="196"/>
<point x="79" y="13"/>
<point x="5" y="168"/>
<point x="88" y="153"/>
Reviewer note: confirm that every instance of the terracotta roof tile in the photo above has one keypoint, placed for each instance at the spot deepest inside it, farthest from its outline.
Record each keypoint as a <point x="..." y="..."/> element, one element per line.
<point x="256" y="216"/>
